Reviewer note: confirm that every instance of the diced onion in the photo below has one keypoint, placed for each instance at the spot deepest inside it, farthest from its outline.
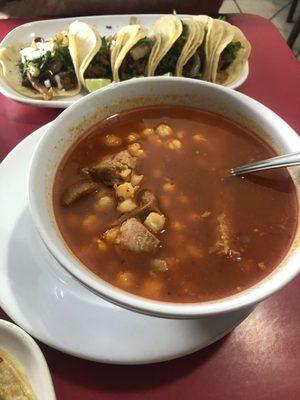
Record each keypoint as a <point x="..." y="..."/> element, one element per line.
<point x="47" y="83"/>
<point x="57" y="79"/>
<point x="32" y="53"/>
<point x="45" y="46"/>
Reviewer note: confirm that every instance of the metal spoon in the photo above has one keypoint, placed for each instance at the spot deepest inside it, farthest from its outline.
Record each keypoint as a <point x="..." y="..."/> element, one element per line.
<point x="288" y="160"/>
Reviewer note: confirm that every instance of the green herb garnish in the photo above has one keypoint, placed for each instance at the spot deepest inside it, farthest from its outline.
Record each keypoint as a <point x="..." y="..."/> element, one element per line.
<point x="228" y="55"/>
<point x="169" y="61"/>
<point x="100" y="66"/>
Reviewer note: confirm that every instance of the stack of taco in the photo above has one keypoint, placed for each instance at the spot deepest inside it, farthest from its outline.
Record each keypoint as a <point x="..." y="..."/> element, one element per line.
<point x="197" y="47"/>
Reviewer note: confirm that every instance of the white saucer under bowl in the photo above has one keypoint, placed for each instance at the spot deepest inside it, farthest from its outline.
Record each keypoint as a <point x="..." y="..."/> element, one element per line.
<point x="42" y="298"/>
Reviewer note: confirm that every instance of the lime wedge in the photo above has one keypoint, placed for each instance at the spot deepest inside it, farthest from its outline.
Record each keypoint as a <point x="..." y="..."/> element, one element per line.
<point x="95" y="84"/>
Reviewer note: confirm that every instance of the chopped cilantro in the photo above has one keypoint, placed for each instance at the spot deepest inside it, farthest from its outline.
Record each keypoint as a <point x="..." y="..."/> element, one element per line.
<point x="228" y="55"/>
<point x="144" y="41"/>
<point x="100" y="66"/>
<point x="168" y="63"/>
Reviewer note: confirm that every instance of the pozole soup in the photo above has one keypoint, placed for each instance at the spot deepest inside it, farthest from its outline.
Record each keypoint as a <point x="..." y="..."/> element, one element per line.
<point x="143" y="201"/>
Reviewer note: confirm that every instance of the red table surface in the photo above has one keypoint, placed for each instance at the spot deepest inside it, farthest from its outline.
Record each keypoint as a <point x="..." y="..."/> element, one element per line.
<point x="260" y="359"/>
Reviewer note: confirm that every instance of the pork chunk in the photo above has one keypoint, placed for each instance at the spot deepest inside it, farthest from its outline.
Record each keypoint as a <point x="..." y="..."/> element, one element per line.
<point x="224" y="244"/>
<point x="134" y="236"/>
<point x="112" y="169"/>
<point x="78" y="190"/>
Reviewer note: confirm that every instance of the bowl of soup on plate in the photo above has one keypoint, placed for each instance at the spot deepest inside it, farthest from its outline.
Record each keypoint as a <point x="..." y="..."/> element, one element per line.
<point x="130" y="192"/>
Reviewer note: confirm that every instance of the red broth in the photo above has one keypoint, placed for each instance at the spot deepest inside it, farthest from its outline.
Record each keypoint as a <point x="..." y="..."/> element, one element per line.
<point x="221" y="234"/>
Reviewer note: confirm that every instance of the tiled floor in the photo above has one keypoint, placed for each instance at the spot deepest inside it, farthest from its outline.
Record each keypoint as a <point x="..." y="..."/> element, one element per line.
<point x="275" y="10"/>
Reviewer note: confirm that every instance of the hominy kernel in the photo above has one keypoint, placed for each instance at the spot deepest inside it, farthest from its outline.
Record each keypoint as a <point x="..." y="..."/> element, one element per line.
<point x="125" y="190"/>
<point x="136" y="179"/>
<point x="147" y="132"/>
<point x="112" y="140"/>
<point x="132" y="137"/>
<point x="159" y="265"/>
<point x="126" y="206"/>
<point x="168" y="187"/>
<point x="135" y="150"/>
<point x="155" y="221"/>
<point x="164" y="130"/>
<point x="101" y="245"/>
<point x="104" y="203"/>
<point x="125" y="279"/>
<point x="134" y="147"/>
<point x="174" y="144"/>
<point x="111" y="235"/>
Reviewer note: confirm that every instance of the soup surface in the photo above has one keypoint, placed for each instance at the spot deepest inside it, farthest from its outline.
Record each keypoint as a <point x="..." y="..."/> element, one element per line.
<point x="142" y="199"/>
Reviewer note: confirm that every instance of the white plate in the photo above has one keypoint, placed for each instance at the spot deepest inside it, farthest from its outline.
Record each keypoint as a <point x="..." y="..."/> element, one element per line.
<point x="25" y="33"/>
<point x="26" y="352"/>
<point x="41" y="297"/>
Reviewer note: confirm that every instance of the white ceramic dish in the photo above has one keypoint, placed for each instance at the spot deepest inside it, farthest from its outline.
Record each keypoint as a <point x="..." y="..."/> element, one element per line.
<point x="68" y="126"/>
<point x="18" y="344"/>
<point x="41" y="297"/>
<point x="25" y="33"/>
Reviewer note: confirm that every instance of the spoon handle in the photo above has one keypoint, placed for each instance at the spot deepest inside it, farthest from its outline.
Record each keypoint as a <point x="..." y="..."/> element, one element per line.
<point x="287" y="160"/>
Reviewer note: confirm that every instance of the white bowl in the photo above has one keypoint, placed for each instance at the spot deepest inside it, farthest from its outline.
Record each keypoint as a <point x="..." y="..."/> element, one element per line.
<point x="19" y="345"/>
<point x="69" y="125"/>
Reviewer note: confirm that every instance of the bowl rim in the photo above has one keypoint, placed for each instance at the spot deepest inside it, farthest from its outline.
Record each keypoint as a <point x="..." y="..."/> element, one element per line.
<point x="100" y="287"/>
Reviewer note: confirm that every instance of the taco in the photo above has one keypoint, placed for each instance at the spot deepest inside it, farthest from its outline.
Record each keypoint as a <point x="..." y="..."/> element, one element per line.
<point x="88" y="43"/>
<point x="93" y="55"/>
<point x="212" y="40"/>
<point x="44" y="69"/>
<point x="191" y="61"/>
<point x="170" y="37"/>
<point x="230" y="56"/>
<point x="130" y="53"/>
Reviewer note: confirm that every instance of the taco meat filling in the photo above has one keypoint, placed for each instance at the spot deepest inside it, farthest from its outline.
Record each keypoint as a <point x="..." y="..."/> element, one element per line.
<point x="47" y="65"/>
<point x="168" y="63"/>
<point x="194" y="67"/>
<point x="100" y="67"/>
<point x="135" y="63"/>
<point x="227" y="56"/>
